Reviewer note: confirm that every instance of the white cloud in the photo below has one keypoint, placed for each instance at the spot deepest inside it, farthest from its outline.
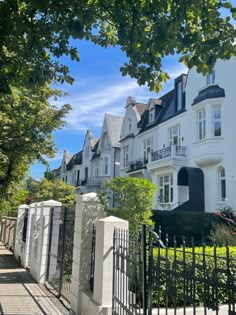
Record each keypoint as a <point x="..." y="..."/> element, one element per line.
<point x="106" y="94"/>
<point x="90" y="105"/>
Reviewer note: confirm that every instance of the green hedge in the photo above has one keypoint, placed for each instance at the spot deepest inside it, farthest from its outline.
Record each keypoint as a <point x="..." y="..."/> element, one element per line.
<point x="172" y="274"/>
<point x="189" y="224"/>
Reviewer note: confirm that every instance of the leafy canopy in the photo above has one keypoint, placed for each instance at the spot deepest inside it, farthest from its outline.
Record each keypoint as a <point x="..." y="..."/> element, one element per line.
<point x="132" y="200"/>
<point x="47" y="189"/>
<point x="27" y="121"/>
<point x="35" y="33"/>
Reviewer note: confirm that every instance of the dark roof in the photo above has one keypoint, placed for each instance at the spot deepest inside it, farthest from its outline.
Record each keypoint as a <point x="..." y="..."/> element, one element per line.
<point x="75" y="160"/>
<point x="212" y="91"/>
<point x="96" y="155"/>
<point x="165" y="107"/>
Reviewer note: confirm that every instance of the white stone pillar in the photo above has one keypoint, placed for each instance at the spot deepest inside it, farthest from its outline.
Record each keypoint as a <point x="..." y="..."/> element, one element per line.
<point x="88" y="209"/>
<point x="101" y="301"/>
<point x="40" y="239"/>
<point x="20" y="246"/>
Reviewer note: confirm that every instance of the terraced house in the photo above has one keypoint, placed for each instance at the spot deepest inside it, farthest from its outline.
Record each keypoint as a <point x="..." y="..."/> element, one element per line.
<point x="183" y="142"/>
<point x="98" y="161"/>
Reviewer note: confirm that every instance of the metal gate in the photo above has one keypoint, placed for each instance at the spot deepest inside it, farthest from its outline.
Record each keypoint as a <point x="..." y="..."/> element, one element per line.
<point x="60" y="253"/>
<point x="151" y="277"/>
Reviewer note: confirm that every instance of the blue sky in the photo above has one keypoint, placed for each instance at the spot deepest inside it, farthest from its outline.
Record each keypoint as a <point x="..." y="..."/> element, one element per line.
<point x="98" y="88"/>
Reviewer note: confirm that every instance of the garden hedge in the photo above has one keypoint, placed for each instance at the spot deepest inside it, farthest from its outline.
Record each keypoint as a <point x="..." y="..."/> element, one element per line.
<point x="188" y="224"/>
<point x="206" y="274"/>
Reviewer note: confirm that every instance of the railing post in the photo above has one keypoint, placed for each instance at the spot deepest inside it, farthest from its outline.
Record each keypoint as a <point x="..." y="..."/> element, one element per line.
<point x="144" y="243"/>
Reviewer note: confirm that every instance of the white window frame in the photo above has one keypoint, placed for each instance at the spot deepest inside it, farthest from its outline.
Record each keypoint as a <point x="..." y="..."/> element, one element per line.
<point x="174" y="135"/>
<point x="211" y="77"/>
<point x="179" y="96"/>
<point x="216" y="120"/>
<point x="147" y="148"/>
<point x="151" y="115"/>
<point x="125" y="156"/>
<point x="166" y="185"/>
<point x="222" y="183"/>
<point x="130" y="123"/>
<point x="106" y="165"/>
<point x="201" y="124"/>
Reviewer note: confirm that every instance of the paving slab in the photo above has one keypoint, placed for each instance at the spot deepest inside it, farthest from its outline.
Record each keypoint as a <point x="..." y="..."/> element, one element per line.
<point x="20" y="294"/>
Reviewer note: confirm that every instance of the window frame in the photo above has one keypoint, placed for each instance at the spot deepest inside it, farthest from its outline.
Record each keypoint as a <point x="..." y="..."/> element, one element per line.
<point x="125" y="156"/>
<point x="222" y="180"/>
<point x="215" y="120"/>
<point x="164" y="186"/>
<point x="151" y="115"/>
<point x="201" y="124"/>
<point x="211" y="77"/>
<point x="179" y="95"/>
<point x="147" y="146"/>
<point x="172" y="136"/>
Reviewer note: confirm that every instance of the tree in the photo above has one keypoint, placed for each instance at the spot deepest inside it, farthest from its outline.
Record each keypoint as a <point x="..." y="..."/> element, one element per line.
<point x="132" y="200"/>
<point x="26" y="123"/>
<point x="46" y="189"/>
<point x="49" y="175"/>
<point x="35" y="33"/>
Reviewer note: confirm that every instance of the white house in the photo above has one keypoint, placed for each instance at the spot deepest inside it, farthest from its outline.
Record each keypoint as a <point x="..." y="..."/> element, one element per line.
<point x="184" y="142"/>
<point x="105" y="163"/>
<point x="98" y="161"/>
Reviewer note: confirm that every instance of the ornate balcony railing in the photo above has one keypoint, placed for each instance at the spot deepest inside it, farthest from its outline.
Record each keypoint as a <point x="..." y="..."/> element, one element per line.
<point x="173" y="150"/>
<point x="137" y="164"/>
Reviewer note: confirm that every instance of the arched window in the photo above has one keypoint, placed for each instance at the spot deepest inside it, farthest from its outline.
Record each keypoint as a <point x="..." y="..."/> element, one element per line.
<point x="129" y="124"/>
<point x="222" y="184"/>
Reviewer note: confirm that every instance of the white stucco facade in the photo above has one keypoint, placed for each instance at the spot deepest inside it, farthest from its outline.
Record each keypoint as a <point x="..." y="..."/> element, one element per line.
<point x="198" y="138"/>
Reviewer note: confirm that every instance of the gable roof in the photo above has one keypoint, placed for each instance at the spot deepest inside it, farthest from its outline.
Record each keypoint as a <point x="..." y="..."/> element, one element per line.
<point x="114" y="124"/>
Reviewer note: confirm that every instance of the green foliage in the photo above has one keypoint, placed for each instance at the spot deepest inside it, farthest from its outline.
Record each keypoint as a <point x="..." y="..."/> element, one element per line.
<point x="188" y="224"/>
<point x="168" y="266"/>
<point x="10" y="205"/>
<point x="34" y="34"/>
<point x="49" y="175"/>
<point x="132" y="200"/>
<point x="27" y="121"/>
<point x="46" y="189"/>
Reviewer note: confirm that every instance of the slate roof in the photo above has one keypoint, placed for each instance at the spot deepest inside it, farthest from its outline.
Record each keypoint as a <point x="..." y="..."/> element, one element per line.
<point x="75" y="160"/>
<point x="165" y="108"/>
<point x="96" y="155"/>
<point x="114" y="124"/>
<point x="212" y="91"/>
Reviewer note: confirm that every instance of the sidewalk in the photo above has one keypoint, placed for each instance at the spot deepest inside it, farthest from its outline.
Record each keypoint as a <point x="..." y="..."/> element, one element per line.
<point x="20" y="295"/>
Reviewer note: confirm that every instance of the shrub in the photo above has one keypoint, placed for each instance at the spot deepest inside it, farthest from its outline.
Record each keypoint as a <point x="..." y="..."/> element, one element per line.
<point x="132" y="200"/>
<point x="195" y="225"/>
<point x="173" y="271"/>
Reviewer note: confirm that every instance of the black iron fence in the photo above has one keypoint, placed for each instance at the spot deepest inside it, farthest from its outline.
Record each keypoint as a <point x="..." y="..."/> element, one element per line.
<point x="60" y="255"/>
<point x="92" y="258"/>
<point x="7" y="232"/>
<point x="149" y="277"/>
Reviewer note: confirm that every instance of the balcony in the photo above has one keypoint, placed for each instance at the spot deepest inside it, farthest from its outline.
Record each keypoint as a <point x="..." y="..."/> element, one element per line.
<point x="92" y="181"/>
<point x="168" y="157"/>
<point x="208" y="151"/>
<point x="137" y="165"/>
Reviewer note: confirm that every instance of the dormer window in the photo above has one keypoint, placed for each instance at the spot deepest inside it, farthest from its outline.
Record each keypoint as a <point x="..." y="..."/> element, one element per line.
<point x="151" y="115"/>
<point x="179" y="96"/>
<point x="210" y="78"/>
